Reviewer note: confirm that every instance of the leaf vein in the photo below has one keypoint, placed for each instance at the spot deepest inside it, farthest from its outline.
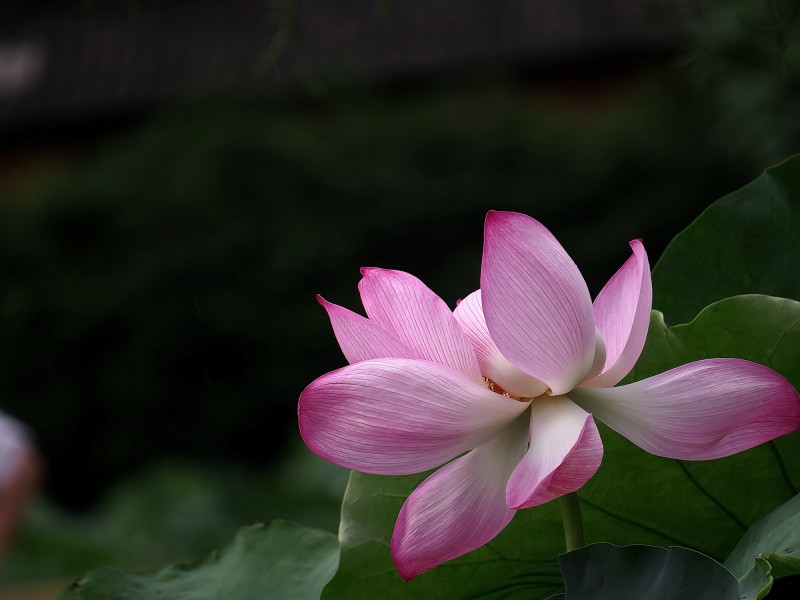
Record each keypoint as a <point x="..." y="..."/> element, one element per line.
<point x="711" y="497"/>
<point x="782" y="465"/>
<point x="644" y="526"/>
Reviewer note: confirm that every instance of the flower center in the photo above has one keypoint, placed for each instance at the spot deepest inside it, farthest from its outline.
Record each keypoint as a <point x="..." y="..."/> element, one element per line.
<point x="499" y="390"/>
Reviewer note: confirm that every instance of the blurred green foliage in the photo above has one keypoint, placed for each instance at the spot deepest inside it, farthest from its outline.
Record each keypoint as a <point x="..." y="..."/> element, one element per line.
<point x="278" y="560"/>
<point x="744" y="58"/>
<point x="173" y="512"/>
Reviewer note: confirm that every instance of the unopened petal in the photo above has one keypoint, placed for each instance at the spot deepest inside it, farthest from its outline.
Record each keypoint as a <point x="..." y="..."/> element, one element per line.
<point x="495" y="366"/>
<point x="460" y="507"/>
<point x="362" y="339"/>
<point x="393" y="416"/>
<point x="565" y="452"/>
<point x="622" y="314"/>
<point x="703" y="410"/>
<point x="537" y="306"/>
<point x="405" y="307"/>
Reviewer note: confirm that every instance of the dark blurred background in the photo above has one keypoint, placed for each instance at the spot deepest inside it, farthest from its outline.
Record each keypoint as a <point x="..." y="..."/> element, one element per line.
<point x="179" y="178"/>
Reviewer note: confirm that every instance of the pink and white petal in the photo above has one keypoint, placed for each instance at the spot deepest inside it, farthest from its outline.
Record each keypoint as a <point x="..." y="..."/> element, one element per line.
<point x="361" y="339"/>
<point x="394" y="416"/>
<point x="460" y="507"/>
<point x="565" y="452"/>
<point x="703" y="410"/>
<point x="409" y="310"/>
<point x="537" y="306"/>
<point x="495" y="366"/>
<point x="622" y="314"/>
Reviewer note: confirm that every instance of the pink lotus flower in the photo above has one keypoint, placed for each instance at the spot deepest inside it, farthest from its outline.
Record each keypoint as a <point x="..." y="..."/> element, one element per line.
<point x="514" y="378"/>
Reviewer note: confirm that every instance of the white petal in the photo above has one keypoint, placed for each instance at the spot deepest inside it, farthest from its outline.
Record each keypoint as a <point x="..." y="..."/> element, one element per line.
<point x="565" y="452"/>
<point x="460" y="507"/>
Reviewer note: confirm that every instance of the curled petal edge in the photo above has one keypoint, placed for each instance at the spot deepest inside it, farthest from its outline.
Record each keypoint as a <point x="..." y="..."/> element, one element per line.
<point x="622" y="313"/>
<point x="565" y="452"/>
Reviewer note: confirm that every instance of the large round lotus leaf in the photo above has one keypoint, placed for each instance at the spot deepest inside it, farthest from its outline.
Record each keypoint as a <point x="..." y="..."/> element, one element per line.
<point x="744" y="243"/>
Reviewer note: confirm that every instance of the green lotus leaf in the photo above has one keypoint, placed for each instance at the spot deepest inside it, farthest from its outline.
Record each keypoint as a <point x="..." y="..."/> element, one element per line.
<point x="281" y="560"/>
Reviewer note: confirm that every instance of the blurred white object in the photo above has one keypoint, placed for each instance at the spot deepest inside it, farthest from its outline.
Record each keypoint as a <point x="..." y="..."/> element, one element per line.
<point x="14" y="449"/>
<point x="20" y="472"/>
<point x="21" y="67"/>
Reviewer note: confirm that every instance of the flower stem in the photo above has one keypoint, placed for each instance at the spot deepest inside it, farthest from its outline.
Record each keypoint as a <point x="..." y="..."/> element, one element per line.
<point x="573" y="523"/>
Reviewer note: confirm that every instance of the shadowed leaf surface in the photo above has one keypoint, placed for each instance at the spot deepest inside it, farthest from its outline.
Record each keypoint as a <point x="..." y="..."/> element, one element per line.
<point x="608" y="572"/>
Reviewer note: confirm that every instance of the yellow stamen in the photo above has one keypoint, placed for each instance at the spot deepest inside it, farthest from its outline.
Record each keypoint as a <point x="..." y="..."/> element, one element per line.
<point x="495" y="388"/>
<point x="499" y="390"/>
